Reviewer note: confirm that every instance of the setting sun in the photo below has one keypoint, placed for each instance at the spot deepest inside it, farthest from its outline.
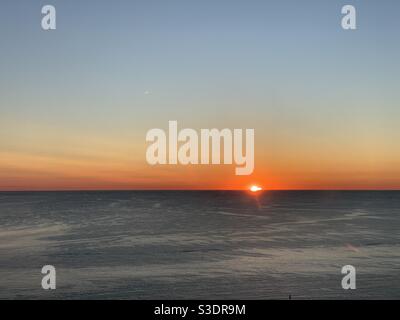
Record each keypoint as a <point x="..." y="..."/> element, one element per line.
<point x="255" y="188"/>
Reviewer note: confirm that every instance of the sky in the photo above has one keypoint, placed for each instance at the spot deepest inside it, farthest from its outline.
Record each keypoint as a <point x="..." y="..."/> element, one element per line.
<point x="76" y="102"/>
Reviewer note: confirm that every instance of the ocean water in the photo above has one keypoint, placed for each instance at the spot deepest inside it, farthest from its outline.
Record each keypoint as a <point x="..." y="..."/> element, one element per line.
<point x="200" y="245"/>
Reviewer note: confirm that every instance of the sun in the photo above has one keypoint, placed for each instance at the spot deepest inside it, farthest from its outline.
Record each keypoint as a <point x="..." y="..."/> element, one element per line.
<point x="255" y="188"/>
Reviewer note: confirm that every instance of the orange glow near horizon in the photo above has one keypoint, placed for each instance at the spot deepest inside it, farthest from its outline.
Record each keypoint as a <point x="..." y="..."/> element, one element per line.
<point x="102" y="166"/>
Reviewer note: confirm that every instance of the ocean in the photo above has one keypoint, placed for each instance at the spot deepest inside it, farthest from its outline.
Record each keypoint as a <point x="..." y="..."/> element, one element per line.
<point x="200" y="244"/>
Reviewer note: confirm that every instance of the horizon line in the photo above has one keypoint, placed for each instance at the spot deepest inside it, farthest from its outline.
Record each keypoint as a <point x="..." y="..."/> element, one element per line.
<point x="189" y="190"/>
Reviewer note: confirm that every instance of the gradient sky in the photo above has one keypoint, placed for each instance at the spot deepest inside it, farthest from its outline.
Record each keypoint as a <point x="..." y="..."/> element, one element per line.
<point x="76" y="103"/>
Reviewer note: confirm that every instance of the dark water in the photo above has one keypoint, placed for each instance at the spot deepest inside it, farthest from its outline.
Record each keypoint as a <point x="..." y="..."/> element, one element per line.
<point x="212" y="245"/>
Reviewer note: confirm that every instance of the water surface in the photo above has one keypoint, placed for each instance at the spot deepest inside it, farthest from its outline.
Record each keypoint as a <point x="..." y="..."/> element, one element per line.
<point x="200" y="245"/>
